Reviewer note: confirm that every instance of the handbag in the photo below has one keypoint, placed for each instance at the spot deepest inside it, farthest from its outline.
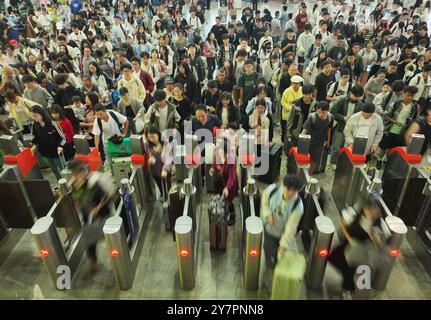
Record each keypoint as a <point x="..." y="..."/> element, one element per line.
<point x="116" y="140"/>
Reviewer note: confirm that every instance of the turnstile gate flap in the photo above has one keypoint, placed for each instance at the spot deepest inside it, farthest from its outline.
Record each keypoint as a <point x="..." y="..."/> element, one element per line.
<point x="41" y="196"/>
<point x="413" y="199"/>
<point x="14" y="209"/>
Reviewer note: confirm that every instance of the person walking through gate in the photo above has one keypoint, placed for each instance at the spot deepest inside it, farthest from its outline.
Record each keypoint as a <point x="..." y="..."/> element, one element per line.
<point x="281" y="210"/>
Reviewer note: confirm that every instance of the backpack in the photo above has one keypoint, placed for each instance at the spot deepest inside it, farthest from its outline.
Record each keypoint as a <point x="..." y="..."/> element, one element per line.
<point x="295" y="204"/>
<point x="336" y="87"/>
<point x="115" y="97"/>
<point x="314" y="118"/>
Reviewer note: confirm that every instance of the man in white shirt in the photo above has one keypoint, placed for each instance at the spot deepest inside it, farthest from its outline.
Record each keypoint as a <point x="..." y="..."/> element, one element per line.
<point x="118" y="31"/>
<point x="194" y="21"/>
<point x="107" y="125"/>
<point x="390" y="53"/>
<point x="76" y="36"/>
<point x="304" y="42"/>
<point x="44" y="20"/>
<point x="366" y="123"/>
<point x="339" y="88"/>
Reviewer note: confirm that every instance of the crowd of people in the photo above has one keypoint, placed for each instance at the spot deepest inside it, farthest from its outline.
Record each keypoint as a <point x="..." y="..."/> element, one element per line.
<point x="331" y="69"/>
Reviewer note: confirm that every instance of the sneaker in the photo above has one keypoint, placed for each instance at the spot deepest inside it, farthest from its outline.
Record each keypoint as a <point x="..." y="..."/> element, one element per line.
<point x="334" y="167"/>
<point x="347" y="295"/>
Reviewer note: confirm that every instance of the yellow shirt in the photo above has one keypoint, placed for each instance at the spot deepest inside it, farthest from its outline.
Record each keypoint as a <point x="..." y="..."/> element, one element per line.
<point x="289" y="96"/>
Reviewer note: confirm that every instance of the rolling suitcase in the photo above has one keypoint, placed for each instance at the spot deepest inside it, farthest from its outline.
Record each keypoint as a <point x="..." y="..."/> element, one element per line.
<point x="288" y="277"/>
<point x="218" y="223"/>
<point x="274" y="159"/>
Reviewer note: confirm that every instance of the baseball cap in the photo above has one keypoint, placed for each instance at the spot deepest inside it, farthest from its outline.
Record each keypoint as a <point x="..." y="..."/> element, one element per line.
<point x="296" y="79"/>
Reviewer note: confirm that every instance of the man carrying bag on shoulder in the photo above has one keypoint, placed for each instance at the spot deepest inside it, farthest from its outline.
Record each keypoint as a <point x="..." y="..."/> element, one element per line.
<point x="281" y="209"/>
<point x="111" y="125"/>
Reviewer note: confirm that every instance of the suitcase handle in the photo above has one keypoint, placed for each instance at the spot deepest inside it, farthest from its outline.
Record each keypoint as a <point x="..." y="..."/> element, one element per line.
<point x="165" y="188"/>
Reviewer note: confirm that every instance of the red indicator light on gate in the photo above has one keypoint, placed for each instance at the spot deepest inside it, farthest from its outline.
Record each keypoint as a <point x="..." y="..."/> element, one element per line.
<point x="323" y="252"/>
<point x="44" y="253"/>
<point x="394" y="252"/>
<point x="184" y="253"/>
<point x="115" y="253"/>
<point x="253" y="253"/>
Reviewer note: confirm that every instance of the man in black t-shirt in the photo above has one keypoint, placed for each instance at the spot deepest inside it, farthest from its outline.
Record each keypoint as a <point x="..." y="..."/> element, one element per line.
<point x="218" y="29"/>
<point x="322" y="81"/>
<point x="289" y="42"/>
<point x="392" y="73"/>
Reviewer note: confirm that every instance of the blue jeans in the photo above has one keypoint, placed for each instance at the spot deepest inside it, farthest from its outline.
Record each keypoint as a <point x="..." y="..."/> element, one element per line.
<point x="55" y="166"/>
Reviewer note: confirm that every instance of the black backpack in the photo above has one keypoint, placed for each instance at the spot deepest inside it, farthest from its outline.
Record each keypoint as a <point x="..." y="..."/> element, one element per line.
<point x="336" y="87"/>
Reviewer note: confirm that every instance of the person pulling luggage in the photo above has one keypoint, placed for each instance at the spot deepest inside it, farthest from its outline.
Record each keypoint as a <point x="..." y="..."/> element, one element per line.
<point x="281" y="209"/>
<point x="226" y="180"/>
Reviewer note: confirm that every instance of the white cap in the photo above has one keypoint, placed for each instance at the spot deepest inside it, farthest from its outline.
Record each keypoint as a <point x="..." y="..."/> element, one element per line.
<point x="410" y="27"/>
<point x="296" y="79"/>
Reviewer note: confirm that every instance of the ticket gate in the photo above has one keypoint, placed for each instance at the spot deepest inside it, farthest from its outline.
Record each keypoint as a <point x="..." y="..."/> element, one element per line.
<point x="186" y="229"/>
<point x="24" y="195"/>
<point x="14" y="155"/>
<point x="403" y="181"/>
<point x="315" y="229"/>
<point x="58" y="235"/>
<point x="351" y="184"/>
<point x="89" y="156"/>
<point x="125" y="231"/>
<point x="252" y="233"/>
<point x="407" y="188"/>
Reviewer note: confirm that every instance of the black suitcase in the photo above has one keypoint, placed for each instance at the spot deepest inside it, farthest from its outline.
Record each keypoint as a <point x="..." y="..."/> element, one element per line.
<point x="275" y="153"/>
